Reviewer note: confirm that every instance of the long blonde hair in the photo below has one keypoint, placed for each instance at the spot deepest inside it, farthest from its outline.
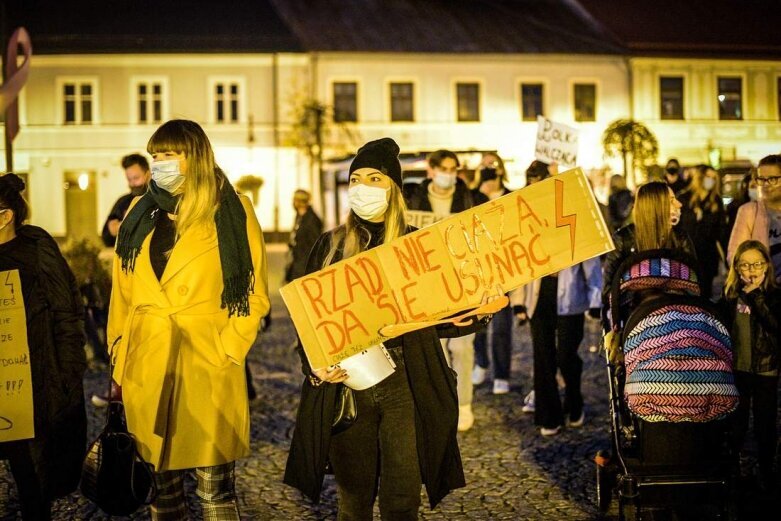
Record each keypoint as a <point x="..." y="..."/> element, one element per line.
<point x="733" y="282"/>
<point x="651" y="215"/>
<point x="711" y="200"/>
<point x="200" y="191"/>
<point x="352" y="239"/>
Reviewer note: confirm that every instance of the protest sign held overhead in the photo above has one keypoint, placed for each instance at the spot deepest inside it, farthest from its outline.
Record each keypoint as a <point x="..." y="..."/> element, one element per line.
<point x="16" y="389"/>
<point x="447" y="267"/>
<point x="556" y="143"/>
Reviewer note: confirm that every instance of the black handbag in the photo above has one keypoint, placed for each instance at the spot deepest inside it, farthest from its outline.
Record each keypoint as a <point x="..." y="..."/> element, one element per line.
<point x="346" y="410"/>
<point x="113" y="475"/>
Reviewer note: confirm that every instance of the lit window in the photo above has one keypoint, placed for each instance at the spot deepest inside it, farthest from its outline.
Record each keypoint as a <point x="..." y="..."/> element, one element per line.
<point x="730" y="98"/>
<point x="531" y="101"/>
<point x="468" y="99"/>
<point x="345" y="102"/>
<point x="585" y="96"/>
<point x="671" y="97"/>
<point x="402" y="108"/>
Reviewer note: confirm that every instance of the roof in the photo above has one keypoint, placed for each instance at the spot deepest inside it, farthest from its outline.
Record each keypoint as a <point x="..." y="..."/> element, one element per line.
<point x="425" y="26"/>
<point x="444" y="26"/>
<point x="151" y="26"/>
<point x="711" y="28"/>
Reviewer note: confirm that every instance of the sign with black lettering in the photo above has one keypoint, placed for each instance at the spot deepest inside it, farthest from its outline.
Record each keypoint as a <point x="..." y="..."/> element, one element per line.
<point x="556" y="143"/>
<point x="16" y="390"/>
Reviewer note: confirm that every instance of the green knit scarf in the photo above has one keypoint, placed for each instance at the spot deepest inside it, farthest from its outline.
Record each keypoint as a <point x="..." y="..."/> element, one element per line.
<point x="238" y="276"/>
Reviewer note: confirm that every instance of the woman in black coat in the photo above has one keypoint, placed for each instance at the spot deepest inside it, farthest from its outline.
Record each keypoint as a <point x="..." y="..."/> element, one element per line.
<point x="405" y="431"/>
<point x="47" y="466"/>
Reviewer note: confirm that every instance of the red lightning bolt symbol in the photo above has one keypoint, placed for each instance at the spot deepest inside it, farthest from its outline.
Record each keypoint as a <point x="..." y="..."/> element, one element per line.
<point x="564" y="220"/>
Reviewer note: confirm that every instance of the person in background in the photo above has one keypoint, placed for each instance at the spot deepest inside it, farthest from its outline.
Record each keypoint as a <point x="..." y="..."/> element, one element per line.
<point x="443" y="194"/>
<point x="761" y="219"/>
<point x="405" y="430"/>
<point x="189" y="290"/>
<point x="306" y="229"/>
<point x="47" y="466"/>
<point x="619" y="202"/>
<point x="750" y="298"/>
<point x="498" y="335"/>
<point x="137" y="174"/>
<point x="674" y="176"/>
<point x="745" y="191"/>
<point x="703" y="219"/>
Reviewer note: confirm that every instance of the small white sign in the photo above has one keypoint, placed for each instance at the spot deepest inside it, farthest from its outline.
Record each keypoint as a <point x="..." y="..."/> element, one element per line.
<point x="556" y="143"/>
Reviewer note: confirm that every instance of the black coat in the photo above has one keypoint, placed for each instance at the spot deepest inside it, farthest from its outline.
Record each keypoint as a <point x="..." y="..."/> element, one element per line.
<point x="55" y="334"/>
<point x="705" y="232"/>
<point x="765" y="326"/>
<point x="462" y="198"/>
<point x="306" y="230"/>
<point x="433" y="387"/>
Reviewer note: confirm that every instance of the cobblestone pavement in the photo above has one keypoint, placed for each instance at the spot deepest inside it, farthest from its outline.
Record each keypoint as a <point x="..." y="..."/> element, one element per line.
<point x="512" y="472"/>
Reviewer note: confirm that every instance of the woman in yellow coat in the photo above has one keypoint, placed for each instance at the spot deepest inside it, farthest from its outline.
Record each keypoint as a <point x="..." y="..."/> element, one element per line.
<point x="189" y="291"/>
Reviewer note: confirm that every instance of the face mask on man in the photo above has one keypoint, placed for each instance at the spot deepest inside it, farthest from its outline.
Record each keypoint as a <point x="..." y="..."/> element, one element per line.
<point x="138" y="190"/>
<point x="444" y="180"/>
<point x="709" y="183"/>
<point x="166" y="175"/>
<point x="368" y="202"/>
<point x="753" y="194"/>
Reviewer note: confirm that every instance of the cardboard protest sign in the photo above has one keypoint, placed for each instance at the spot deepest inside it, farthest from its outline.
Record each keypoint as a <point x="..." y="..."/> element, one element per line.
<point x="420" y="219"/>
<point x="447" y="267"/>
<point x="16" y="389"/>
<point x="556" y="143"/>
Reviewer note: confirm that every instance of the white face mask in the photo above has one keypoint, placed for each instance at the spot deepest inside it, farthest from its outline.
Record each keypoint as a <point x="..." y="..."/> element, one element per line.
<point x="368" y="202"/>
<point x="709" y="183"/>
<point x="753" y="194"/>
<point x="166" y="175"/>
<point x="444" y="180"/>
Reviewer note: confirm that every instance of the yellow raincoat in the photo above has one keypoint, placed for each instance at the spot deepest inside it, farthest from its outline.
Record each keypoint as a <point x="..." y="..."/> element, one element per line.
<point x="179" y="358"/>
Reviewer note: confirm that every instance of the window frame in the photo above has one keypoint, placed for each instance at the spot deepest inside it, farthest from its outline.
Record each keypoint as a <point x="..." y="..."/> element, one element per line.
<point x="413" y="99"/>
<point x="480" y="93"/>
<point x="135" y="81"/>
<point x="543" y="82"/>
<point x="584" y="81"/>
<point x="684" y="99"/>
<point x="729" y="75"/>
<point x="60" y="83"/>
<point x="332" y="94"/>
<point x="241" y="115"/>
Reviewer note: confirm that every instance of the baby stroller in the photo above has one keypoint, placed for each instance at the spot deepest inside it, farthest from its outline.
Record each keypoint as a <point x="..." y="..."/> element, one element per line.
<point x="671" y="390"/>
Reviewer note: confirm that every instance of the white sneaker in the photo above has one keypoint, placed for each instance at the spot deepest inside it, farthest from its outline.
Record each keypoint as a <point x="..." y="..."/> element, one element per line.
<point x="501" y="386"/>
<point x="550" y="432"/>
<point x="528" y="403"/>
<point x="478" y="375"/>
<point x="99" y="401"/>
<point x="465" y="417"/>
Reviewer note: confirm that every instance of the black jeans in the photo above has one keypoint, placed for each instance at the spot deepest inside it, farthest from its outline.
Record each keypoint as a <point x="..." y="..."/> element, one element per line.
<point x="379" y="451"/>
<point x="501" y="340"/>
<point x="760" y="395"/>
<point x="555" y="342"/>
<point x="34" y="505"/>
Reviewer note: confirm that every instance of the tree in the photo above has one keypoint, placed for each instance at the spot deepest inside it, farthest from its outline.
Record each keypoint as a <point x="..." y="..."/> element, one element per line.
<point x="625" y="138"/>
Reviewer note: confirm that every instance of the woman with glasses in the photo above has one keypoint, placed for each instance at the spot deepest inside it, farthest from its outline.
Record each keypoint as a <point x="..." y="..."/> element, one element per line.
<point x="761" y="219"/>
<point x="703" y="218"/>
<point x="750" y="294"/>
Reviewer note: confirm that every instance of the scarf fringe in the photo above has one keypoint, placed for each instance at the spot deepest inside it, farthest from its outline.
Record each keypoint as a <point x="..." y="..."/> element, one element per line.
<point x="235" y="295"/>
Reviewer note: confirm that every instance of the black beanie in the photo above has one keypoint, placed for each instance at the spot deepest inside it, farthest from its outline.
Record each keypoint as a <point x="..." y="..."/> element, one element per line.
<point x="381" y="154"/>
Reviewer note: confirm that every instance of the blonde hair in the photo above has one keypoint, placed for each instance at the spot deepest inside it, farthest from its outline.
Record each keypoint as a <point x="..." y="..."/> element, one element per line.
<point x="651" y="215"/>
<point x="353" y="238"/>
<point x="711" y="200"/>
<point x="733" y="282"/>
<point x="200" y="191"/>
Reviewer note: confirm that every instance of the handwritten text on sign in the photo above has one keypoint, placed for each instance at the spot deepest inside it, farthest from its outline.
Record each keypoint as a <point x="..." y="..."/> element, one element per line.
<point x="556" y="143"/>
<point x="16" y="390"/>
<point x="446" y="267"/>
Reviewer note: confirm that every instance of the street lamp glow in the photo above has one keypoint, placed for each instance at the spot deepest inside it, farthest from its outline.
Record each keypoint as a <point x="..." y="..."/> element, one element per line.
<point x="83" y="181"/>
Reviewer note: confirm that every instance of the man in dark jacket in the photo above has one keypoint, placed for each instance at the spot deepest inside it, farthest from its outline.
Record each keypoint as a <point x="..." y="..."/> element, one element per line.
<point x="137" y="174"/>
<point x="306" y="230"/>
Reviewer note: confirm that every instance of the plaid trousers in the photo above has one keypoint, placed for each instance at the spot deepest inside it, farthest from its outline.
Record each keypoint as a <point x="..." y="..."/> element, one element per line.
<point x="216" y="490"/>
